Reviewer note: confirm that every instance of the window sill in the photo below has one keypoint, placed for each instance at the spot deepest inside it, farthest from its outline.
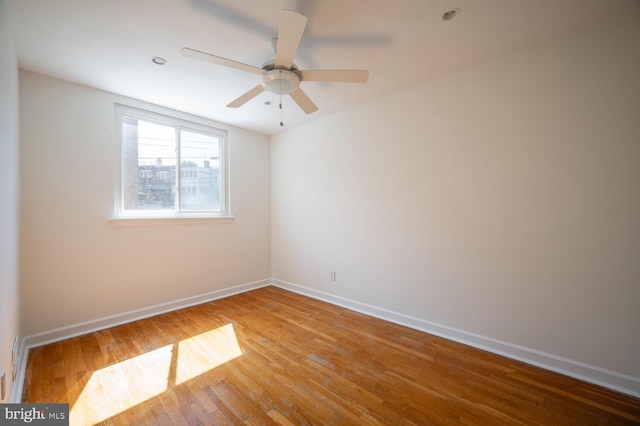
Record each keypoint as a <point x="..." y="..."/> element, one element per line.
<point x="128" y="221"/>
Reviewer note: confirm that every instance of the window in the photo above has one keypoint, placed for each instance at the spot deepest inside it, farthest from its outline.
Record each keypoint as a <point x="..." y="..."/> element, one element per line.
<point x="169" y="167"/>
<point x="144" y="174"/>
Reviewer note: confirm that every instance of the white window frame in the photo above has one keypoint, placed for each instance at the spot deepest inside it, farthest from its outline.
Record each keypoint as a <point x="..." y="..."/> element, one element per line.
<point x="123" y="217"/>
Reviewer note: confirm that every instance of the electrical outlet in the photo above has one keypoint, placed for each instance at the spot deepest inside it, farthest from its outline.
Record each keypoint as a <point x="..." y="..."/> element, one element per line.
<point x="333" y="275"/>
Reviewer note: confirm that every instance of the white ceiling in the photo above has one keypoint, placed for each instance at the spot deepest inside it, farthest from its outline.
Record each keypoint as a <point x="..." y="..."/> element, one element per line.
<point x="109" y="45"/>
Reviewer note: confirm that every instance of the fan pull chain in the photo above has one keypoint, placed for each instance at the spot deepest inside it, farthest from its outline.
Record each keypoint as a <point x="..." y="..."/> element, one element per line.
<point x="281" y="122"/>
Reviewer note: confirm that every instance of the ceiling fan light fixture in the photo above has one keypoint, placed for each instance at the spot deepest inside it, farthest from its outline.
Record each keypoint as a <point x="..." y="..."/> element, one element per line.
<point x="280" y="82"/>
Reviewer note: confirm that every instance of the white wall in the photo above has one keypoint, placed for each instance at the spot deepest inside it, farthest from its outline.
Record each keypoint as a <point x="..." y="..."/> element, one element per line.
<point x="9" y="196"/>
<point x="502" y="200"/>
<point x="76" y="266"/>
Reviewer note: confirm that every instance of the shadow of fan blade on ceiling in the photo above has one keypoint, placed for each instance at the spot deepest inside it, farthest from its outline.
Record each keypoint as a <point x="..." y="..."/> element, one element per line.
<point x="337" y="76"/>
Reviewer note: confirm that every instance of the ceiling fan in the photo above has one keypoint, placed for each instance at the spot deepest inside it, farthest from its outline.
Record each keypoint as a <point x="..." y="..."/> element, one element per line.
<point x="280" y="75"/>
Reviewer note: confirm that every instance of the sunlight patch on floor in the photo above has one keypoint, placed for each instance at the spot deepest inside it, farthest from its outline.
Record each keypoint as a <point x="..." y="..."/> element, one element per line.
<point x="117" y="388"/>
<point x="122" y="386"/>
<point x="206" y="351"/>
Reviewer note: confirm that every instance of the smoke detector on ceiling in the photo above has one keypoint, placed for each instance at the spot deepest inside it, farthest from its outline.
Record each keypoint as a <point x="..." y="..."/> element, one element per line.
<point x="450" y="14"/>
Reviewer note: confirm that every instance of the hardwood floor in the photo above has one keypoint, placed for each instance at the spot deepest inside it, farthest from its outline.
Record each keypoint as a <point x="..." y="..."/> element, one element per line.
<point x="273" y="357"/>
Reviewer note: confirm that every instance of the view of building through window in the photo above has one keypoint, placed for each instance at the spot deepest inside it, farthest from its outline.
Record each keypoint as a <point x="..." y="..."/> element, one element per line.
<point x="166" y="167"/>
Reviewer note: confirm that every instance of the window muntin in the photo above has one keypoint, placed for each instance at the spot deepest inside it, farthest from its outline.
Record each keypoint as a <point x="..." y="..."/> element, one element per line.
<point x="169" y="167"/>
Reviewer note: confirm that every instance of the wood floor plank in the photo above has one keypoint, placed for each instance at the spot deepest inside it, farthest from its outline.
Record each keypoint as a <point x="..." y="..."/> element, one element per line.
<point x="275" y="357"/>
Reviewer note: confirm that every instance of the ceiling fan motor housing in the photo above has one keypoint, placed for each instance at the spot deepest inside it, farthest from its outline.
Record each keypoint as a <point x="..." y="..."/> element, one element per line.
<point x="280" y="82"/>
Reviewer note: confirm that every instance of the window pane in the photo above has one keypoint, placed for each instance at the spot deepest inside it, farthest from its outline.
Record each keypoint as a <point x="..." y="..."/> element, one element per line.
<point x="148" y="165"/>
<point x="200" y="172"/>
<point x="167" y="170"/>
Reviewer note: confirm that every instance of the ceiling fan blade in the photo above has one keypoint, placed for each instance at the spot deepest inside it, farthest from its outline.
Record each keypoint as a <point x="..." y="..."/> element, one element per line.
<point x="243" y="99"/>
<point x="203" y="56"/>
<point x="338" y="76"/>
<point x="292" y="27"/>
<point x="303" y="101"/>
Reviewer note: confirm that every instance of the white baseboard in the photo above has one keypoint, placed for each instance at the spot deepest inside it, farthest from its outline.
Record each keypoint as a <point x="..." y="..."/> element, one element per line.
<point x="73" y="330"/>
<point x="62" y="333"/>
<point x="589" y="373"/>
